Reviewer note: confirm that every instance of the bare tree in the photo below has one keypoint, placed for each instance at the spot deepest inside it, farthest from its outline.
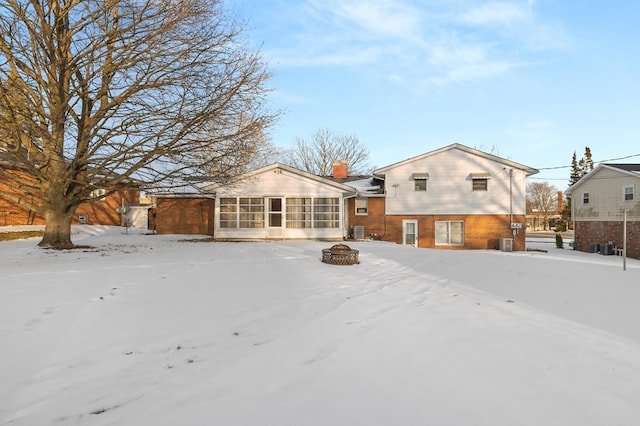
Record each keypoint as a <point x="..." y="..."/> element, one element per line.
<point x="542" y="197"/>
<point x="94" y="93"/>
<point x="318" y="155"/>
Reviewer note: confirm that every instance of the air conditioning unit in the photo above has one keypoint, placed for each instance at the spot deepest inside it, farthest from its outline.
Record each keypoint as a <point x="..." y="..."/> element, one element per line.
<point x="506" y="244"/>
<point x="358" y="232"/>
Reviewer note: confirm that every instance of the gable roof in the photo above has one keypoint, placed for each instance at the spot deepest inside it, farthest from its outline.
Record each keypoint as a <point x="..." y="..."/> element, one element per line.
<point x="634" y="168"/>
<point x="627" y="169"/>
<point x="288" y="169"/>
<point x="528" y="170"/>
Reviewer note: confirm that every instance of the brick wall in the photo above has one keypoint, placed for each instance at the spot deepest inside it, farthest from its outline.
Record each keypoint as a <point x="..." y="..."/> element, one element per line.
<point x="99" y="212"/>
<point x="185" y="215"/>
<point x="373" y="222"/>
<point x="480" y="231"/>
<point x="105" y="210"/>
<point x="587" y="233"/>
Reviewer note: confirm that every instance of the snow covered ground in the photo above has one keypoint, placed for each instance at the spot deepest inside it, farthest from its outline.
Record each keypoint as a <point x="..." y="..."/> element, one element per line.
<point x="156" y="330"/>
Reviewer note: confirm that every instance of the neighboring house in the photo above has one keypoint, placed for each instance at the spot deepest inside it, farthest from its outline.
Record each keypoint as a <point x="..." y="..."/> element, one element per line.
<point x="121" y="207"/>
<point x="599" y="202"/>
<point x="274" y="202"/>
<point x="453" y="197"/>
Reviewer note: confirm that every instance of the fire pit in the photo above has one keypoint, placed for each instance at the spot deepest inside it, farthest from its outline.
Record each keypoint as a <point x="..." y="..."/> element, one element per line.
<point x="340" y="254"/>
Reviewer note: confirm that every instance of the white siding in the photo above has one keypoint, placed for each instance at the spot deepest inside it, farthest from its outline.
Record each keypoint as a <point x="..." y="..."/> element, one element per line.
<point x="449" y="187"/>
<point x="280" y="183"/>
<point x="606" y="202"/>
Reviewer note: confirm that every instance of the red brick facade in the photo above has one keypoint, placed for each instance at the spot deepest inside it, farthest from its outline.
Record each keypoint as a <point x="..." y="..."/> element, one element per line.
<point x="185" y="215"/>
<point x="373" y="221"/>
<point x="588" y="233"/>
<point x="99" y="212"/>
<point x="480" y="231"/>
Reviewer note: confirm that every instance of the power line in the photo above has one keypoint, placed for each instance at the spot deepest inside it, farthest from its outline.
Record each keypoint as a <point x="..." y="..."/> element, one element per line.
<point x="598" y="162"/>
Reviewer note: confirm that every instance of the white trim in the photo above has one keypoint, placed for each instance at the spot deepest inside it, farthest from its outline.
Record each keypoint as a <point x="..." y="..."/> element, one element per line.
<point x="413" y="222"/>
<point x="366" y="207"/>
<point x="624" y="193"/>
<point x="528" y="170"/>
<point x="448" y="224"/>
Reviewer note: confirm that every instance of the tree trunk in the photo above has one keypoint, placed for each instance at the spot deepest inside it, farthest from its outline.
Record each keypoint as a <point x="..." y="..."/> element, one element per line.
<point x="57" y="231"/>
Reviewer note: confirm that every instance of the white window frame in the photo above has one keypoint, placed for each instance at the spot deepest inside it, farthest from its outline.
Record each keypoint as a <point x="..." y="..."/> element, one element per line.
<point x="299" y="212"/>
<point x="449" y="238"/>
<point x="245" y="214"/>
<point x="586" y="197"/>
<point x="362" y="206"/>
<point x="625" y="193"/>
<point x="476" y="188"/>
<point x="413" y="222"/>
<point x="250" y="212"/>
<point x="476" y="178"/>
<point x="420" y="183"/>
<point x="326" y="212"/>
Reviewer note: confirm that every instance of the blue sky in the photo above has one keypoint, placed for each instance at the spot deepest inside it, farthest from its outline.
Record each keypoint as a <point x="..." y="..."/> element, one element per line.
<point x="530" y="81"/>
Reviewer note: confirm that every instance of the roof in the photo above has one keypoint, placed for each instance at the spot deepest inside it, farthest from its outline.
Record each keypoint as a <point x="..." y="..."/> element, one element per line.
<point x="632" y="169"/>
<point x="325" y="181"/>
<point x="528" y="170"/>
<point x="367" y="186"/>
<point x="635" y="168"/>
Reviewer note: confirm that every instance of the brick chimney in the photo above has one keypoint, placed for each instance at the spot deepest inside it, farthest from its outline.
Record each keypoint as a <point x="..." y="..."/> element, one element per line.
<point x="340" y="169"/>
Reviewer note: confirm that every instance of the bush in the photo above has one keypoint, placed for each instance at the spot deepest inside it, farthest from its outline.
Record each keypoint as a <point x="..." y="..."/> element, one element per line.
<point x="559" y="243"/>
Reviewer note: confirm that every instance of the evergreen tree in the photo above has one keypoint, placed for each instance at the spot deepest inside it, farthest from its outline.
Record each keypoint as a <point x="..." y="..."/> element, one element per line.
<point x="578" y="170"/>
<point x="588" y="161"/>
<point x="575" y="170"/>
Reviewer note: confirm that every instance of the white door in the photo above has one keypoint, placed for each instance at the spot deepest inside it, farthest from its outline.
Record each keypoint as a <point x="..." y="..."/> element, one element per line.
<point x="410" y="232"/>
<point x="274" y="217"/>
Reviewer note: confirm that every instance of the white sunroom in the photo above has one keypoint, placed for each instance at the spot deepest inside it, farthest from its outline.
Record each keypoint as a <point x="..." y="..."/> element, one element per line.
<point x="281" y="202"/>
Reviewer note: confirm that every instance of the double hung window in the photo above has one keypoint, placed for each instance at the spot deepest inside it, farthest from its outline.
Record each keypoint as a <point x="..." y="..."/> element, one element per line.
<point x="628" y="194"/>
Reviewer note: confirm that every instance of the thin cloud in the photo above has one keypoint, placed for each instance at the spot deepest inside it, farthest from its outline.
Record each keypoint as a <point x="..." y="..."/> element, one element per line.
<point x="501" y="13"/>
<point x="436" y="44"/>
<point x="378" y="19"/>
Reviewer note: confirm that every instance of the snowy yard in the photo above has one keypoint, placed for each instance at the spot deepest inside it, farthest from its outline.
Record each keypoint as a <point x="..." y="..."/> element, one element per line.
<point x="155" y="330"/>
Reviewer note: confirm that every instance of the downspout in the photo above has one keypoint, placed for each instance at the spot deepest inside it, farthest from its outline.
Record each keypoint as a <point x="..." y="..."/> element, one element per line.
<point x="345" y="213"/>
<point x="514" y="231"/>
